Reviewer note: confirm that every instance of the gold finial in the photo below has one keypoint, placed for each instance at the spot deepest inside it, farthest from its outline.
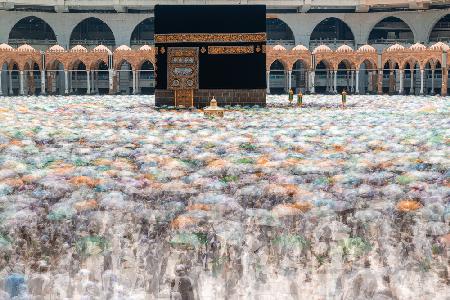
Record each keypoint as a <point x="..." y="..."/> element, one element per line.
<point x="213" y="102"/>
<point x="213" y="109"/>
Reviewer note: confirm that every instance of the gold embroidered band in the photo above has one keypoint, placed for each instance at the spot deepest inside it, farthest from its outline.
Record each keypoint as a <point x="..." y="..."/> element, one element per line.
<point x="230" y="49"/>
<point x="210" y="37"/>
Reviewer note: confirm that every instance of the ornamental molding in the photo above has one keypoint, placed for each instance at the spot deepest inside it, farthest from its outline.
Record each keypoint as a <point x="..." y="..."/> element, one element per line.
<point x="231" y="50"/>
<point x="259" y="37"/>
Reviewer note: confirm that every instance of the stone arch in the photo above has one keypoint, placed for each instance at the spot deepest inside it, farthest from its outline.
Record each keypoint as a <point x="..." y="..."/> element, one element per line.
<point x="367" y="76"/>
<point x="31" y="71"/>
<point x="328" y="63"/>
<point x="124" y="76"/>
<point x="146" y="75"/>
<point x="391" y="62"/>
<point x="73" y="64"/>
<point x="323" y="76"/>
<point x="433" y="61"/>
<point x="55" y="76"/>
<point x="31" y="30"/>
<point x="390" y="73"/>
<point x="322" y="32"/>
<point x="119" y="64"/>
<point x="279" y="32"/>
<point x="302" y="60"/>
<point x="277" y="83"/>
<point x="440" y="29"/>
<point x="347" y="62"/>
<point x="14" y="71"/>
<point x="409" y="60"/>
<point x="281" y="60"/>
<point x="30" y="62"/>
<point x="299" y="81"/>
<point x="96" y="64"/>
<point x="79" y="69"/>
<point x="4" y="77"/>
<point x="433" y="75"/>
<point x="374" y="34"/>
<point x="143" y="61"/>
<point x="345" y="75"/>
<point x="411" y="76"/>
<point x="371" y="62"/>
<point x="12" y="63"/>
<point x="143" y="33"/>
<point x="52" y="64"/>
<point x="91" y="32"/>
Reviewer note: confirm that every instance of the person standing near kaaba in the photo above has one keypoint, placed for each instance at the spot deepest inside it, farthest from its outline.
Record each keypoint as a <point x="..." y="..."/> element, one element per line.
<point x="291" y="96"/>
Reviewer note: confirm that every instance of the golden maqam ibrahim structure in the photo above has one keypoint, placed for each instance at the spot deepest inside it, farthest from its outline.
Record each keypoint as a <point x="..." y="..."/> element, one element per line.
<point x="397" y="69"/>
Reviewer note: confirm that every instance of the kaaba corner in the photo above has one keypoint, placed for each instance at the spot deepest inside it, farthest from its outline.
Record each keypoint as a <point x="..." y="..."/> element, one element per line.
<point x="210" y="51"/>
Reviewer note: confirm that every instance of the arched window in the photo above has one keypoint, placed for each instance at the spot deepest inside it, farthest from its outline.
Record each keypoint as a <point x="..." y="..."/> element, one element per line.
<point x="391" y="30"/>
<point x="441" y="31"/>
<point x="331" y="30"/>
<point x="147" y="78"/>
<point x="299" y="78"/>
<point x="279" y="32"/>
<point x="277" y="82"/>
<point x="143" y="33"/>
<point x="33" y="31"/>
<point x="92" y="32"/>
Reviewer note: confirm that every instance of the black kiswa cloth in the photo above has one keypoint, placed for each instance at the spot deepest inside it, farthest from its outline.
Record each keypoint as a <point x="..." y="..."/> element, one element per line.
<point x="216" y="71"/>
<point x="210" y="19"/>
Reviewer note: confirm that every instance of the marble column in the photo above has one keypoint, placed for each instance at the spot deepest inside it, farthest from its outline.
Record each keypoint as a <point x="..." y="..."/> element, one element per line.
<point x="307" y="76"/>
<point x="335" y="81"/>
<point x="94" y="79"/>
<point x="10" y="83"/>
<point x="21" y="91"/>
<point x="88" y="82"/>
<point x="380" y="82"/>
<point x="66" y="82"/>
<point x="411" y="88"/>
<point x="357" y="82"/>
<point x="312" y="82"/>
<point x="347" y="81"/>
<point x="432" y="81"/>
<point x="352" y="82"/>
<point x="138" y="90"/>
<point x="444" y="81"/>
<point x="71" y="82"/>
<point x="111" y="81"/>
<point x="1" y="87"/>
<point x="267" y="82"/>
<point x="400" y="90"/>
<point x="289" y="80"/>
<point x="43" y="82"/>
<point x="134" y="82"/>
<point x="421" y="81"/>
<point x="327" y="84"/>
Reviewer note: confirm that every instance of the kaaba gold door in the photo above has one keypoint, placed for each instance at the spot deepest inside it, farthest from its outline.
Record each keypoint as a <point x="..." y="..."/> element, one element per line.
<point x="184" y="98"/>
<point x="182" y="75"/>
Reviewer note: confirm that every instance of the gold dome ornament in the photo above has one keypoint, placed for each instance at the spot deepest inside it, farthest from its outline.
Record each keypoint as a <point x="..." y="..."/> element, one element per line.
<point x="213" y="109"/>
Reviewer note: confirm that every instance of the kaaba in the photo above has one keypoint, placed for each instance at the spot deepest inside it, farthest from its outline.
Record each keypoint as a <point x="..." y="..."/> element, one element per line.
<point x="206" y="51"/>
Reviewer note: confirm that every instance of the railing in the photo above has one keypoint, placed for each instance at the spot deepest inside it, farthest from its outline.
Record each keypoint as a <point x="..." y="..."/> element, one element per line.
<point x="141" y="42"/>
<point x="281" y="42"/>
<point x="331" y="43"/>
<point x="440" y="39"/>
<point x="391" y="41"/>
<point x="110" y="43"/>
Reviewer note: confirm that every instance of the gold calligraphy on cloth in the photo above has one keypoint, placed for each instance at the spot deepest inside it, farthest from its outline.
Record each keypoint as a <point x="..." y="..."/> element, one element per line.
<point x="230" y="50"/>
<point x="211" y="38"/>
